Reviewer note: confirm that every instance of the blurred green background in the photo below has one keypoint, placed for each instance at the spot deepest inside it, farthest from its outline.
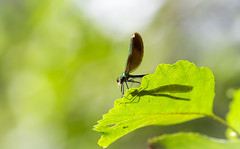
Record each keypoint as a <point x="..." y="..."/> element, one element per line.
<point x="59" y="61"/>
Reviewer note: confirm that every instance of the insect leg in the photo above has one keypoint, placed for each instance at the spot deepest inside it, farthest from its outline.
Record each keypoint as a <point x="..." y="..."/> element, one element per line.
<point x="126" y="84"/>
<point x="133" y="81"/>
<point x="122" y="89"/>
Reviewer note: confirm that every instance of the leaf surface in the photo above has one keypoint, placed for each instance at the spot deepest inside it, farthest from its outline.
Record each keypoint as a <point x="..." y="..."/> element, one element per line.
<point x="173" y="94"/>
<point x="233" y="117"/>
<point x="191" y="141"/>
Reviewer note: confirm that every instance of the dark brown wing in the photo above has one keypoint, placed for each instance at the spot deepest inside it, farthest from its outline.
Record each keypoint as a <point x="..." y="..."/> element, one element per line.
<point x="135" y="54"/>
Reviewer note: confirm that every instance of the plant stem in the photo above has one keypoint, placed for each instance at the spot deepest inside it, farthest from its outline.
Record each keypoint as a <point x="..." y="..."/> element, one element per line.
<point x="219" y="119"/>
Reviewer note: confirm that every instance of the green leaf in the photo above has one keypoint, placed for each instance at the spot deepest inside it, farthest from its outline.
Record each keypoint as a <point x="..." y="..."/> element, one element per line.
<point x="233" y="117"/>
<point x="191" y="141"/>
<point x="173" y="94"/>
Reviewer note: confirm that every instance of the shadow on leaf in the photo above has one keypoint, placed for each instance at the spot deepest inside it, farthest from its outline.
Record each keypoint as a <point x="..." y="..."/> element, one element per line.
<point x="162" y="91"/>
